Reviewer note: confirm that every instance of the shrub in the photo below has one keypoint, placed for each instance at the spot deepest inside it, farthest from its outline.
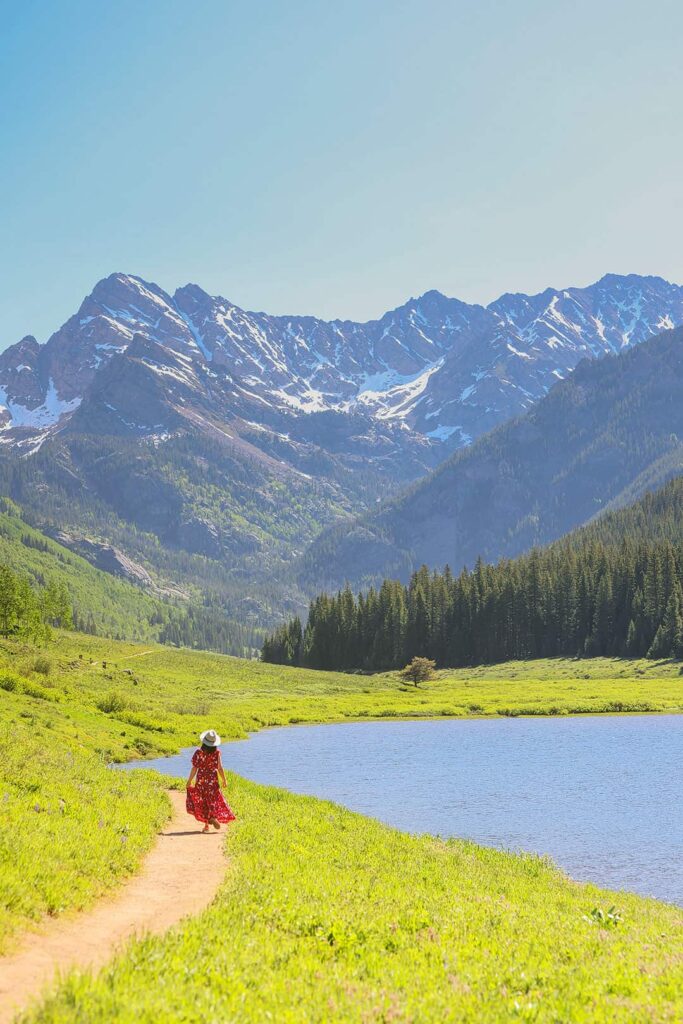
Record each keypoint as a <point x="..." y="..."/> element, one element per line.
<point x="42" y="665"/>
<point x="604" y="918"/>
<point x="112" y="703"/>
<point x="39" y="692"/>
<point x="143" y="722"/>
<point x="9" y="683"/>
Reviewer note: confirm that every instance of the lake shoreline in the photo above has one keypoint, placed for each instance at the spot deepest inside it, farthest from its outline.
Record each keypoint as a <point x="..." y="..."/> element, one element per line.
<point x="313" y="885"/>
<point x="350" y="720"/>
<point x="478" y="784"/>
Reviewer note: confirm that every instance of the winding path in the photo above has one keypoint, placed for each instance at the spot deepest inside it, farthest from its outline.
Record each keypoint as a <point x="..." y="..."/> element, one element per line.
<point x="179" y="877"/>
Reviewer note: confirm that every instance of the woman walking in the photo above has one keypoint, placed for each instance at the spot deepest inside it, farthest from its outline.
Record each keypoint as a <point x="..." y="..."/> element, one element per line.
<point x="205" y="800"/>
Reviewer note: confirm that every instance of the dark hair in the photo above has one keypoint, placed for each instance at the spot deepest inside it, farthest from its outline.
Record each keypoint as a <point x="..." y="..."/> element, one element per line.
<point x="207" y="748"/>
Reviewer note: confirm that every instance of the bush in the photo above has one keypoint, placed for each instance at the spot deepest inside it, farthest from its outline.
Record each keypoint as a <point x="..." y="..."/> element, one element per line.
<point x="42" y="665"/>
<point x="419" y="670"/>
<point x="9" y="683"/>
<point x="144" y="722"/>
<point x="38" y="692"/>
<point x="112" y="703"/>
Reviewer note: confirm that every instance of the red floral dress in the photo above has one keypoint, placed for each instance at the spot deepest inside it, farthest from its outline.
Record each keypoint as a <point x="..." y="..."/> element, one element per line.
<point x="205" y="800"/>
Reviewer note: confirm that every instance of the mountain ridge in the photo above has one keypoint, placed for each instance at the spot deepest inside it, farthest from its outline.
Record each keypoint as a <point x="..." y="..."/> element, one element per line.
<point x="434" y="372"/>
<point x="597" y="441"/>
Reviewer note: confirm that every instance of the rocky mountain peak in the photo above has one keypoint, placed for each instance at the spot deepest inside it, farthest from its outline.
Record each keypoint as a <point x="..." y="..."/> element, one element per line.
<point x="192" y="295"/>
<point x="122" y="289"/>
<point x="28" y="344"/>
<point x="23" y="354"/>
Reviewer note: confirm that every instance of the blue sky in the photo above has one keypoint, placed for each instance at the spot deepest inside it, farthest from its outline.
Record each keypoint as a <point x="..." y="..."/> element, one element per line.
<point x="335" y="159"/>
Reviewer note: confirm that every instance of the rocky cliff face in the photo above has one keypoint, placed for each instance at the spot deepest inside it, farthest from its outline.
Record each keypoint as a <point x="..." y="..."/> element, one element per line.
<point x="105" y="557"/>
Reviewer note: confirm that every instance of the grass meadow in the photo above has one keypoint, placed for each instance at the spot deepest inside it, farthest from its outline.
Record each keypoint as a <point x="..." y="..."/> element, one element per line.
<point x="324" y="915"/>
<point x="127" y="700"/>
<point x="71" y="828"/>
<point x="328" y="916"/>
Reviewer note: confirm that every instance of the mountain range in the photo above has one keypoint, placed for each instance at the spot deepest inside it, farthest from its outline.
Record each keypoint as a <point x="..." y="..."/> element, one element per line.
<point x="600" y="439"/>
<point x="426" y="377"/>
<point x="211" y="446"/>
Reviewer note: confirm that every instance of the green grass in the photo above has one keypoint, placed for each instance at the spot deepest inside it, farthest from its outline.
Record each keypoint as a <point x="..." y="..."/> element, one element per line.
<point x="328" y="916"/>
<point x="324" y="915"/>
<point x="153" y="699"/>
<point x="71" y="828"/>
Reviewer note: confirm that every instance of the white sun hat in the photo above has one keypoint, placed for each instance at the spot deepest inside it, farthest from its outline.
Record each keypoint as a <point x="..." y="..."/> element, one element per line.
<point x="210" y="738"/>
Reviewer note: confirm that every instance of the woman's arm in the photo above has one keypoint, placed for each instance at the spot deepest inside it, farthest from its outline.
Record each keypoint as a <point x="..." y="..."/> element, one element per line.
<point x="220" y="770"/>
<point x="192" y="775"/>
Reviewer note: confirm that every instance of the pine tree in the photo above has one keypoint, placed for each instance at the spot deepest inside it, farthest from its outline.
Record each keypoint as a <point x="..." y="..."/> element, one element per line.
<point x="667" y="640"/>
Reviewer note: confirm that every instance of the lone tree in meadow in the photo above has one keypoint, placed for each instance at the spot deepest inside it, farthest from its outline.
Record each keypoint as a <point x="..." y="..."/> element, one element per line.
<point x="419" y="670"/>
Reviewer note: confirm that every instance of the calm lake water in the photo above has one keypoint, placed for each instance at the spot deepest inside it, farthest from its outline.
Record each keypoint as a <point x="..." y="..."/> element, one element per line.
<point x="600" y="794"/>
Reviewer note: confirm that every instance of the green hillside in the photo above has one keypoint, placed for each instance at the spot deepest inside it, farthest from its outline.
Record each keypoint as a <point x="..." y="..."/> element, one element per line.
<point x="101" y="602"/>
<point x="656" y="516"/>
<point x="107" y="605"/>
<point x="200" y="515"/>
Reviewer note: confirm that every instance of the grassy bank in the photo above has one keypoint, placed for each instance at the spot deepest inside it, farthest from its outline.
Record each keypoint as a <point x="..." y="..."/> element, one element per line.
<point x="322" y="909"/>
<point x="126" y="700"/>
<point x="328" y="916"/>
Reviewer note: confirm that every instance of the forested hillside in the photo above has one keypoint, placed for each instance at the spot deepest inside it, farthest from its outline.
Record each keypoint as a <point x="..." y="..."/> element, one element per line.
<point x="203" y="517"/>
<point x="613" y="588"/>
<point x="656" y="516"/>
<point x="29" y="611"/>
<point x="599" y="439"/>
<point x="103" y="604"/>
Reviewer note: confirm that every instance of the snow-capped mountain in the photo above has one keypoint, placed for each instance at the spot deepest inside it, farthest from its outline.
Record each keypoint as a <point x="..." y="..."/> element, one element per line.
<point x="425" y="379"/>
<point x="212" y="445"/>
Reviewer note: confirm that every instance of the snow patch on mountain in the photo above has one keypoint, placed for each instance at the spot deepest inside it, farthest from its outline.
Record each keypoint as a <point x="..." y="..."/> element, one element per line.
<point x="398" y="401"/>
<point x="442" y="433"/>
<point x="46" y="415"/>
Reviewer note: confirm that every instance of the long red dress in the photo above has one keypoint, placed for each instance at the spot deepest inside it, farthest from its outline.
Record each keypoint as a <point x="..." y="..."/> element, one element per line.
<point x="205" y="799"/>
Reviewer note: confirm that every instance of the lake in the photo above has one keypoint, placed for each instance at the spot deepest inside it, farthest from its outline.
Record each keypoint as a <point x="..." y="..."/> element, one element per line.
<point x="600" y="794"/>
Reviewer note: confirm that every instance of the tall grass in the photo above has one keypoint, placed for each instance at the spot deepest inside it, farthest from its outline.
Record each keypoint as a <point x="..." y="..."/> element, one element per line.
<point x="327" y="916"/>
<point x="70" y="827"/>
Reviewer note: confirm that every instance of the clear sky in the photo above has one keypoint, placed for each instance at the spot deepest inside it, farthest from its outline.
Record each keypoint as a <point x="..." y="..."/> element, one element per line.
<point x="306" y="156"/>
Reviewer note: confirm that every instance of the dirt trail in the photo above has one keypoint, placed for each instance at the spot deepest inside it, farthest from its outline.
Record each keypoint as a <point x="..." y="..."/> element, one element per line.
<point x="180" y="877"/>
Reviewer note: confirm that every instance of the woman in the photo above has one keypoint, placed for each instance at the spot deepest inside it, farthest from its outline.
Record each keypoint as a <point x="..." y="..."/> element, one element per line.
<point x="205" y="800"/>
